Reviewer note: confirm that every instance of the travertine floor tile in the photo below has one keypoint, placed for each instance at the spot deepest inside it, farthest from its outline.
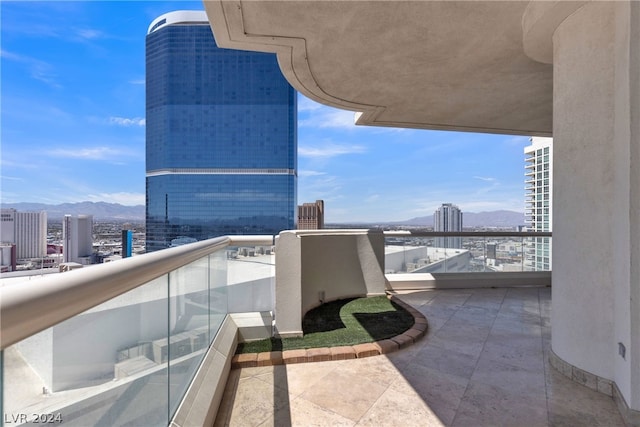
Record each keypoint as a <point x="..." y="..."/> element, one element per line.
<point x="488" y="405"/>
<point x="395" y="408"/>
<point x="299" y="377"/>
<point x="526" y="357"/>
<point x="254" y="402"/>
<point x="303" y="413"/>
<point x="458" y="342"/>
<point x="377" y="369"/>
<point x="446" y="361"/>
<point x="483" y="362"/>
<point x="441" y="392"/>
<point x="570" y="402"/>
<point x="346" y="394"/>
<point x="517" y="380"/>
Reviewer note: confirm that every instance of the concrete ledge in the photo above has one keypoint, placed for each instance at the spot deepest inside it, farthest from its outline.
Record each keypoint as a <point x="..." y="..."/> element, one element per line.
<point x="421" y="281"/>
<point x="253" y="326"/>
<point x="202" y="399"/>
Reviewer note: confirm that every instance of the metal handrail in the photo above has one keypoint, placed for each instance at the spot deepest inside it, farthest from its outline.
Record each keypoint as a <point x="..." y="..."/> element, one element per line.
<point x="33" y="306"/>
<point x="412" y="233"/>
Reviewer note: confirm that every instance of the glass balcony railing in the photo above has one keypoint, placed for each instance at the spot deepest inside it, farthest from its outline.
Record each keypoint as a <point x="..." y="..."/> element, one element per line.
<point x="458" y="252"/>
<point x="119" y="343"/>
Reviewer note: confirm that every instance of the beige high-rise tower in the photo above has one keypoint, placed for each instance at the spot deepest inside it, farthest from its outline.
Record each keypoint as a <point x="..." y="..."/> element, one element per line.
<point x="311" y="216"/>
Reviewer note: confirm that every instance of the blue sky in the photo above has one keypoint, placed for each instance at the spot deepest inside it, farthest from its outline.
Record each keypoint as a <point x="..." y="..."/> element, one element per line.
<point x="72" y="129"/>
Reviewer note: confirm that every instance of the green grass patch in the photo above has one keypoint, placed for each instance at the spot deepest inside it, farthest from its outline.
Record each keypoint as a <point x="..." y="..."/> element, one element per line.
<point x="343" y="322"/>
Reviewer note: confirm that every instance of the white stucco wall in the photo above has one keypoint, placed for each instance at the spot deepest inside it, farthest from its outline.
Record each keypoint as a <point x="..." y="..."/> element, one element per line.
<point x="596" y="191"/>
<point x="634" y="115"/>
<point x="584" y="172"/>
<point x="316" y="267"/>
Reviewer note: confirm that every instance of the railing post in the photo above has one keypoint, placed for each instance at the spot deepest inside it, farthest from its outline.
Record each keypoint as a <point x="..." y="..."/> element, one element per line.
<point x="288" y="305"/>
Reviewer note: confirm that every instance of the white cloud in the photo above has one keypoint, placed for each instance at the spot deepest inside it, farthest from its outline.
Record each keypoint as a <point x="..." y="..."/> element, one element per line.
<point x="11" y="178"/>
<point x="325" y="187"/>
<point x="318" y="116"/>
<point x="137" y="81"/>
<point x="95" y="153"/>
<point x="89" y="34"/>
<point x="327" y="117"/>
<point x="123" y="198"/>
<point x="306" y="173"/>
<point x="305" y="104"/>
<point x="517" y="141"/>
<point x="330" y="150"/>
<point x="123" y="121"/>
<point x="39" y="70"/>
<point x="484" y="178"/>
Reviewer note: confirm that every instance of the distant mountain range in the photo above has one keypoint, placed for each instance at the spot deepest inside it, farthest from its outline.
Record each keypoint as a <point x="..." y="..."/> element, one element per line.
<point x="115" y="211"/>
<point x="99" y="210"/>
<point x="500" y="218"/>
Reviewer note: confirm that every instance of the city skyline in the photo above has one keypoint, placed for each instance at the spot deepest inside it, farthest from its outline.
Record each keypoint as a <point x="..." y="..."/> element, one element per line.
<point x="73" y="128"/>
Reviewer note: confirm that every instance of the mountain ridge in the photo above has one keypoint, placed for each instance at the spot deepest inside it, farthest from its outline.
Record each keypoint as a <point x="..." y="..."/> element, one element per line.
<point x="99" y="210"/>
<point x="116" y="211"/>
<point x="499" y="218"/>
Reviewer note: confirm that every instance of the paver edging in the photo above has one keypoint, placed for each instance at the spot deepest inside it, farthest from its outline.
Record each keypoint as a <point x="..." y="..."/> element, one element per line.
<point x="375" y="348"/>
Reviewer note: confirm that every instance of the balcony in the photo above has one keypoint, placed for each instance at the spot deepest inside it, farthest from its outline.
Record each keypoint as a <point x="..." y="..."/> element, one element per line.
<point x="148" y="340"/>
<point x="484" y="361"/>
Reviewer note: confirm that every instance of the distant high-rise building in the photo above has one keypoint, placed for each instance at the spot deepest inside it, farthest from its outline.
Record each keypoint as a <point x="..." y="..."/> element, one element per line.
<point x="27" y="230"/>
<point x="77" y="238"/>
<point x="8" y="259"/>
<point x="221" y="136"/>
<point x="448" y="217"/>
<point x="538" y="199"/>
<point x="127" y="243"/>
<point x="311" y="216"/>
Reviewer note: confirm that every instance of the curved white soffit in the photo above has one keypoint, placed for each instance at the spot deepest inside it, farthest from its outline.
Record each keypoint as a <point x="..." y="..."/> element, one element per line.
<point x="227" y="25"/>
<point x="178" y="17"/>
<point x="539" y="22"/>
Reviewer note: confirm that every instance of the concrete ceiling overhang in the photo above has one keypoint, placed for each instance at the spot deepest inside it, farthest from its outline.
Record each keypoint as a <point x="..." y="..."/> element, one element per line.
<point x="450" y="65"/>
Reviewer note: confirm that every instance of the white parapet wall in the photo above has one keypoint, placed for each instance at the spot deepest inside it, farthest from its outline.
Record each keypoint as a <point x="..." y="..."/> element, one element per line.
<point x="317" y="266"/>
<point x="471" y="280"/>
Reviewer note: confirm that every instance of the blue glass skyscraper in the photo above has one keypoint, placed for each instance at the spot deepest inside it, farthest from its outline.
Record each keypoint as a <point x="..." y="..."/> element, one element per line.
<point x="221" y="135"/>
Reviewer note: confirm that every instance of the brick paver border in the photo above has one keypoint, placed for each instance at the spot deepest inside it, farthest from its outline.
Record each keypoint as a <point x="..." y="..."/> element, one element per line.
<point x="358" y="351"/>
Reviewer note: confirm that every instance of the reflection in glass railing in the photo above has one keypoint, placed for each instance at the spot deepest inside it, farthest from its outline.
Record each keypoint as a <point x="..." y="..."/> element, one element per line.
<point x="106" y="366"/>
<point x="130" y="360"/>
<point x="431" y="252"/>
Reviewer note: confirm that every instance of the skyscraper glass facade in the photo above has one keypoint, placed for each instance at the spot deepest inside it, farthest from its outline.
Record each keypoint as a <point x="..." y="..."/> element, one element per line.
<point x="448" y="217"/>
<point x="221" y="137"/>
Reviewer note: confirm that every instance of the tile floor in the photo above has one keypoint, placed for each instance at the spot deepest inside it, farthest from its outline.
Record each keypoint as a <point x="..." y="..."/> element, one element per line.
<point x="483" y="362"/>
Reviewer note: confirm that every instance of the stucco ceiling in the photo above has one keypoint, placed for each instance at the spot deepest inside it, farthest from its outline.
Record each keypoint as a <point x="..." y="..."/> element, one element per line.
<point x="418" y="64"/>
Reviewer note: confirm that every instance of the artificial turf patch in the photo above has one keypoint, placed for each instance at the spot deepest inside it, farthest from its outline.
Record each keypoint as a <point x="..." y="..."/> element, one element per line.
<point x="344" y="322"/>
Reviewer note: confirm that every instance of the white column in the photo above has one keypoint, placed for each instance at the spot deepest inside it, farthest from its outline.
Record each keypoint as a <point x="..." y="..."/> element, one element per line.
<point x="632" y="19"/>
<point x="596" y="209"/>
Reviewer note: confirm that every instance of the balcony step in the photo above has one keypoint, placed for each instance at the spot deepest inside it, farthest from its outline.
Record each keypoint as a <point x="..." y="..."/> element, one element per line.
<point x="253" y="326"/>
